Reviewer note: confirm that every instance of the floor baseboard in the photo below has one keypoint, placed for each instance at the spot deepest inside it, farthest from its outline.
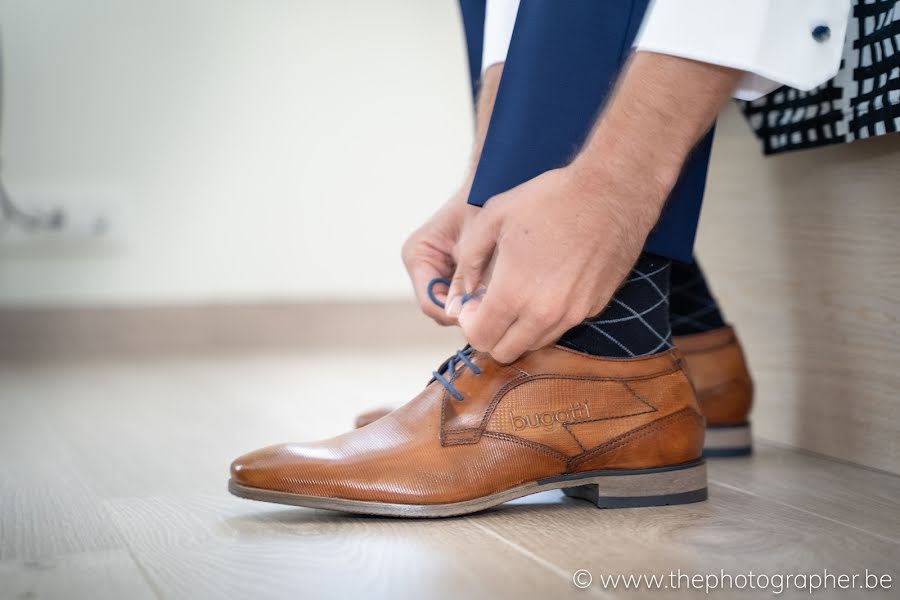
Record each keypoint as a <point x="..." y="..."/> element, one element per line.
<point x="28" y="332"/>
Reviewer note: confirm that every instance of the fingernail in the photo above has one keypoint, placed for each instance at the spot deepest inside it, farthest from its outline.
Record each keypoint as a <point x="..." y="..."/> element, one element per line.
<point x="476" y="295"/>
<point x="454" y="305"/>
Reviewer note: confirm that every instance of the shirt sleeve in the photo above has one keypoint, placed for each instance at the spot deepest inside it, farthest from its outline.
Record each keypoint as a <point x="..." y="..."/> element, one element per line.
<point x="499" y="20"/>
<point x="798" y="43"/>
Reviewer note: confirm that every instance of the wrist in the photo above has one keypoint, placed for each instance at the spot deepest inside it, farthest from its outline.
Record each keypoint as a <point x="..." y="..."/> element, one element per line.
<point x="621" y="172"/>
<point x="661" y="107"/>
<point x="619" y="205"/>
<point x="458" y="203"/>
<point x="618" y="150"/>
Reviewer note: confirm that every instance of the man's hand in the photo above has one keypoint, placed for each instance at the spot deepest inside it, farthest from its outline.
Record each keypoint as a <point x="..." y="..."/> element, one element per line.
<point x="560" y="244"/>
<point x="553" y="250"/>
<point x="428" y="252"/>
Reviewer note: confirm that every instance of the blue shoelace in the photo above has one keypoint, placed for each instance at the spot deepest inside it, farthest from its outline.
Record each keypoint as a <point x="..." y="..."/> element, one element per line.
<point x="461" y="357"/>
<point x="445" y="281"/>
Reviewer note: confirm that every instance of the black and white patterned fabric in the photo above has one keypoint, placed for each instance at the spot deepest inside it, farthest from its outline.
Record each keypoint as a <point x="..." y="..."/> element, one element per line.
<point x="636" y="320"/>
<point x="862" y="101"/>
<point x="692" y="307"/>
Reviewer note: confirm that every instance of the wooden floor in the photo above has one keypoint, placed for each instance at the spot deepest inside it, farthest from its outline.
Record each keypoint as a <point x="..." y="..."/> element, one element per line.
<point x="112" y="485"/>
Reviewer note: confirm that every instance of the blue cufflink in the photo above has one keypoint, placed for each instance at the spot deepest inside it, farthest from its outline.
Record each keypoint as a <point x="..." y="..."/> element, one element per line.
<point x="821" y="33"/>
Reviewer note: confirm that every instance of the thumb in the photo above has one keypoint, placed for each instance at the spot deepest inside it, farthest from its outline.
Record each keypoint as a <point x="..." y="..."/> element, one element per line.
<point x="474" y="255"/>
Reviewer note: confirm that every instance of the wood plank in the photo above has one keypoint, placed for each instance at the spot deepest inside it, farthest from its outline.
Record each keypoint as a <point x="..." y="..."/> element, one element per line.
<point x="142" y="446"/>
<point x="802" y="251"/>
<point x="843" y="493"/>
<point x="110" y="574"/>
<point x="214" y="546"/>
<point x="172" y="424"/>
<point x="47" y="507"/>
<point x="733" y="531"/>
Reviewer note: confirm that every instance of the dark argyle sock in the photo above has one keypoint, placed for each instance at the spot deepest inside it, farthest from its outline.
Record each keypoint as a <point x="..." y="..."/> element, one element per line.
<point x="636" y="320"/>
<point x="693" y="308"/>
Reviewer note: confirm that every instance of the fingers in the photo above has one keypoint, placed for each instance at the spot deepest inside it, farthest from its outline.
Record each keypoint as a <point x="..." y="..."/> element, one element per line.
<point x="455" y="295"/>
<point x="421" y="273"/>
<point x="514" y="343"/>
<point x="485" y="320"/>
<point x="520" y="310"/>
<point x="475" y="251"/>
<point x="554" y="333"/>
<point x="536" y="326"/>
<point x="507" y="323"/>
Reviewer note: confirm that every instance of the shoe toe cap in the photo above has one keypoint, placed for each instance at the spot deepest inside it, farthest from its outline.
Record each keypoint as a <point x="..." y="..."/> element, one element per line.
<point x="266" y="468"/>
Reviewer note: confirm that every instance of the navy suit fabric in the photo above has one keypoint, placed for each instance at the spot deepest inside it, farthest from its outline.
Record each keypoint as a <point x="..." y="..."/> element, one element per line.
<point x="473" y="25"/>
<point x="562" y="63"/>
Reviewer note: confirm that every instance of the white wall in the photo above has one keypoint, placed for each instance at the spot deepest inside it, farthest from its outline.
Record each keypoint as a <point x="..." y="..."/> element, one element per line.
<point x="254" y="149"/>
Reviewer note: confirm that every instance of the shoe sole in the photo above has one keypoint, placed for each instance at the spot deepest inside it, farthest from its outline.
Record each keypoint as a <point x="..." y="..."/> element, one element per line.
<point x="680" y="484"/>
<point x="728" y="440"/>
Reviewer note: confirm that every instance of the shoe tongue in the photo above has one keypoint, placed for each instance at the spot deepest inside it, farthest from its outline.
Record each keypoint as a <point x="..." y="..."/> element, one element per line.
<point x="443" y="370"/>
<point x="478" y="391"/>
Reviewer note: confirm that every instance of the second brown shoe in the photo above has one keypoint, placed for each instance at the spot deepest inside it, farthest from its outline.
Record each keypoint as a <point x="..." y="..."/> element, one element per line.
<point x="617" y="432"/>
<point x="715" y="364"/>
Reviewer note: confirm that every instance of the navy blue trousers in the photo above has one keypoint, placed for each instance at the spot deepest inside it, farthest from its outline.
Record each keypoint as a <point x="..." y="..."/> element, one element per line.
<point x="563" y="61"/>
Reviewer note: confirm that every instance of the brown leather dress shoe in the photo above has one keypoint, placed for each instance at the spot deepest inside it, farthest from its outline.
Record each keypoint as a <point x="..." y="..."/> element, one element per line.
<point x="715" y="364"/>
<point x="619" y="433"/>
<point x="370" y="416"/>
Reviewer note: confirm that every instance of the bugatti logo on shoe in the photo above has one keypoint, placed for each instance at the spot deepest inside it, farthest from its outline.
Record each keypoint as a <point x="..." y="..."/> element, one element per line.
<point x="548" y="420"/>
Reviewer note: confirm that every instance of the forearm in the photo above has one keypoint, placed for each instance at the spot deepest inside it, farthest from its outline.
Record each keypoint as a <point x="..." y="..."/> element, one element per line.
<point x="487" y="94"/>
<point x="660" y="109"/>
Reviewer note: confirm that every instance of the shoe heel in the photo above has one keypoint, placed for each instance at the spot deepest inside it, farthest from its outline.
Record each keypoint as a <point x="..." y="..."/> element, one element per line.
<point x="728" y="440"/>
<point x="653" y="487"/>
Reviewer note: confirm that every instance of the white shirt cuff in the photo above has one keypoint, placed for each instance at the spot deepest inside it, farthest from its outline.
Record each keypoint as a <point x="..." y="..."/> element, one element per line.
<point x="499" y="20"/>
<point x="777" y="42"/>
